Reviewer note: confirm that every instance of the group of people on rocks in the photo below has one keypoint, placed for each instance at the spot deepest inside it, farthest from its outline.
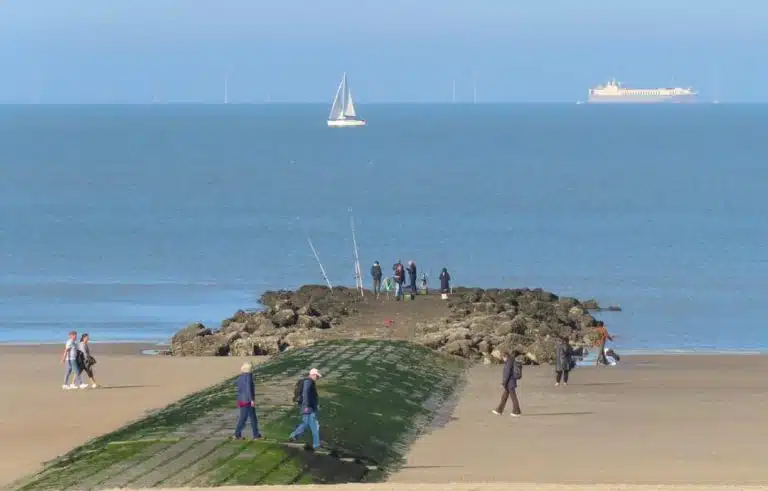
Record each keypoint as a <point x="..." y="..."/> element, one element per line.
<point x="305" y="397"/>
<point x="565" y="361"/>
<point x="398" y="279"/>
<point x="77" y="360"/>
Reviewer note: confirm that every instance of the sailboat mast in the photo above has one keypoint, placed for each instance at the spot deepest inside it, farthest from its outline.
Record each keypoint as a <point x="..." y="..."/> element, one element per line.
<point x="226" y="89"/>
<point x="358" y="271"/>
<point x="453" y="94"/>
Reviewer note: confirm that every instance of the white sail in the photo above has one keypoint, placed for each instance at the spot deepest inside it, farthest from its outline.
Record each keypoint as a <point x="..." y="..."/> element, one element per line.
<point x="349" y="107"/>
<point x="337" y="109"/>
<point x="343" y="112"/>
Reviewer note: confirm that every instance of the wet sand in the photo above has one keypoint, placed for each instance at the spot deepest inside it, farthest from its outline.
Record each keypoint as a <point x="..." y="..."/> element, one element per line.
<point x="39" y="421"/>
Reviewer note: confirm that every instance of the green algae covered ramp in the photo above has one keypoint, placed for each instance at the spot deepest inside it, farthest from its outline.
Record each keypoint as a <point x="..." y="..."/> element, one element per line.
<point x="376" y="397"/>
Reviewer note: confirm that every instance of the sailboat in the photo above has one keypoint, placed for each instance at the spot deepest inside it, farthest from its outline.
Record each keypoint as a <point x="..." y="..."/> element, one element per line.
<point x="343" y="109"/>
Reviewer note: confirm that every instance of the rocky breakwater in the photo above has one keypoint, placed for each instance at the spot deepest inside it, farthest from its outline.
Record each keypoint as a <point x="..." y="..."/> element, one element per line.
<point x="485" y="323"/>
<point x="289" y="319"/>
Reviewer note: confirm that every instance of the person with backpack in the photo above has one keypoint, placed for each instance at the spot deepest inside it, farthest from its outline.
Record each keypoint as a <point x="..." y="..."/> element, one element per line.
<point x="376" y="274"/>
<point x="563" y="360"/>
<point x="305" y="396"/>
<point x="399" y="277"/>
<point x="513" y="371"/>
<point x="246" y="401"/>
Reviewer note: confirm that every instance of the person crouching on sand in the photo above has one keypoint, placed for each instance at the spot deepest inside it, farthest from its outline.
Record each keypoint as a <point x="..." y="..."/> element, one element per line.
<point x="246" y="401"/>
<point x="563" y="360"/>
<point x="308" y="405"/>
<point x="88" y="361"/>
<point x="602" y="339"/>
<point x="69" y="360"/>
<point x="510" y="374"/>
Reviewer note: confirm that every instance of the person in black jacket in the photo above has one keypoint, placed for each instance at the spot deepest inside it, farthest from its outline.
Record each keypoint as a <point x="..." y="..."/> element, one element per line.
<point x="376" y="275"/>
<point x="412" y="276"/>
<point x="445" y="281"/>
<point x="563" y="359"/>
<point x="509" y="386"/>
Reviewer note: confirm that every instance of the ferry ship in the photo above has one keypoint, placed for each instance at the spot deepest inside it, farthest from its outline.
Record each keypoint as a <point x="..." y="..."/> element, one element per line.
<point x="614" y="92"/>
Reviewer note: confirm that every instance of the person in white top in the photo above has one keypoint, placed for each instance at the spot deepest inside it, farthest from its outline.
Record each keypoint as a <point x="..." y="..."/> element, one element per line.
<point x="69" y="360"/>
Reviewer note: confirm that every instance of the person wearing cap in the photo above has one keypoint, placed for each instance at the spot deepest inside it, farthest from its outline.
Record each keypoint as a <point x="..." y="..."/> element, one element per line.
<point x="246" y="401"/>
<point x="308" y="405"/>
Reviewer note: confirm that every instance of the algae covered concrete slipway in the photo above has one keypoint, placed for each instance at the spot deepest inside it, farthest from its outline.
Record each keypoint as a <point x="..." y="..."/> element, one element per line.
<point x="376" y="397"/>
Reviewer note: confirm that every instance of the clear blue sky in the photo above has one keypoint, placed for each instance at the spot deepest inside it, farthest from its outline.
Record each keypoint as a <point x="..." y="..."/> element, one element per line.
<point x="394" y="50"/>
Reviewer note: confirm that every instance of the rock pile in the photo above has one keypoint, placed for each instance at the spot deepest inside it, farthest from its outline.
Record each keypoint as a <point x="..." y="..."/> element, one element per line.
<point x="484" y="323"/>
<point x="289" y="319"/>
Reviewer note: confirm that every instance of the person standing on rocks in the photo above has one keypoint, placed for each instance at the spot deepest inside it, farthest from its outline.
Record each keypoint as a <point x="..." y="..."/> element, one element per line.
<point x="376" y="275"/>
<point x="445" y="281"/>
<point x="603" y="336"/>
<point x="412" y="276"/>
<point x="246" y="401"/>
<point x="399" y="277"/>
<point x="509" y="375"/>
<point x="563" y="357"/>
<point x="308" y="407"/>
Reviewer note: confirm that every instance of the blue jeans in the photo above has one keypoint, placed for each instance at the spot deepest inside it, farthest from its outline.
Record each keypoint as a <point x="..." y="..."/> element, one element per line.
<point x="246" y="413"/>
<point x="308" y="420"/>
<point x="70" y="367"/>
<point x="398" y="289"/>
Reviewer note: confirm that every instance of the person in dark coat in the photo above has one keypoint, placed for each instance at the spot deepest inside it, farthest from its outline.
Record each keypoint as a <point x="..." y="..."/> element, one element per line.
<point x="246" y="401"/>
<point x="376" y="274"/>
<point x="509" y="386"/>
<point x="445" y="281"/>
<point x="412" y="276"/>
<point x="563" y="359"/>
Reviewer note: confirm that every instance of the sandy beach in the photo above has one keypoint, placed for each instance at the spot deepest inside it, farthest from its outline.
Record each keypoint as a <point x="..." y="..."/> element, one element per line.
<point x="671" y="420"/>
<point x="39" y="421"/>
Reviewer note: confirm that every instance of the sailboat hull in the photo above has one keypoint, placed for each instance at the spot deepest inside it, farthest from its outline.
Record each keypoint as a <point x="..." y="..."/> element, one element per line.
<point x="345" y="123"/>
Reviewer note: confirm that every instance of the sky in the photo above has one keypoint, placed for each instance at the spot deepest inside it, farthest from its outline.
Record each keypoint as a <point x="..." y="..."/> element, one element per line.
<point x="131" y="51"/>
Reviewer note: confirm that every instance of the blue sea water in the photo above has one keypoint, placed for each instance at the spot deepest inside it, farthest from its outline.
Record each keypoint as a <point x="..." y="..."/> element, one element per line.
<point x="132" y="221"/>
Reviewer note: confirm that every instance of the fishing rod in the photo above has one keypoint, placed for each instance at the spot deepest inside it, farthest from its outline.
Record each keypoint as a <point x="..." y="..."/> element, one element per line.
<point x="317" y="258"/>
<point x="358" y="271"/>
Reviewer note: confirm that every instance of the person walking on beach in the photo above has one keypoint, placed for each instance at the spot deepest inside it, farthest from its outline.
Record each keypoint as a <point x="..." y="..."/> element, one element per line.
<point x="246" y="401"/>
<point x="88" y="361"/>
<point x="308" y="406"/>
<point x="510" y="374"/>
<point x="445" y="281"/>
<point x="69" y="360"/>
<point x="412" y="279"/>
<point x="563" y="359"/>
<point x="399" y="277"/>
<point x="603" y="336"/>
<point x="376" y="275"/>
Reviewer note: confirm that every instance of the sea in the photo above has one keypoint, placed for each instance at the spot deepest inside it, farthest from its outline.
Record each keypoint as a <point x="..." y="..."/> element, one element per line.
<point x="131" y="221"/>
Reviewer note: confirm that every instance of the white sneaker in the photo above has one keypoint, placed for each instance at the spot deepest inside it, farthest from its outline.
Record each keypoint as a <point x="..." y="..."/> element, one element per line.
<point x="65" y="387"/>
<point x="72" y="386"/>
<point x="93" y="386"/>
<point x="496" y="412"/>
<point x="83" y="386"/>
<point x="557" y="384"/>
<point x="514" y="415"/>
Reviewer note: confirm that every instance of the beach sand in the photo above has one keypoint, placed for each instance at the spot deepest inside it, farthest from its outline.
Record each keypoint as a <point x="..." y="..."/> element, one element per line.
<point x="39" y="421"/>
<point x="668" y="420"/>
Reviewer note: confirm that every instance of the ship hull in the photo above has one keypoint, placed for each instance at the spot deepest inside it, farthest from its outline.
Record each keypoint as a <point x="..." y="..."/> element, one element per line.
<point x="641" y="100"/>
<point x="345" y="123"/>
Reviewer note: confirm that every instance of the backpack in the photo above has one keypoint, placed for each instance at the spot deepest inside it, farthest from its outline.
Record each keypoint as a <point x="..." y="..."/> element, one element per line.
<point x="298" y="391"/>
<point x="517" y="370"/>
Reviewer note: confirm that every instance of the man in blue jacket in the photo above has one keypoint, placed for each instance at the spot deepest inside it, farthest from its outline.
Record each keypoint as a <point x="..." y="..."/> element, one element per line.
<point x="308" y="407"/>
<point x="246" y="401"/>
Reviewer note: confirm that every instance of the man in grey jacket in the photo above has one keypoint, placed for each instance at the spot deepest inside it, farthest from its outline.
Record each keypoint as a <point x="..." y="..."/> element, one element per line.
<point x="509" y="386"/>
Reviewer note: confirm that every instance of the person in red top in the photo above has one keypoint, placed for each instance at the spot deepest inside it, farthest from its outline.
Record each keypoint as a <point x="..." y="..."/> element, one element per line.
<point x="603" y="336"/>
